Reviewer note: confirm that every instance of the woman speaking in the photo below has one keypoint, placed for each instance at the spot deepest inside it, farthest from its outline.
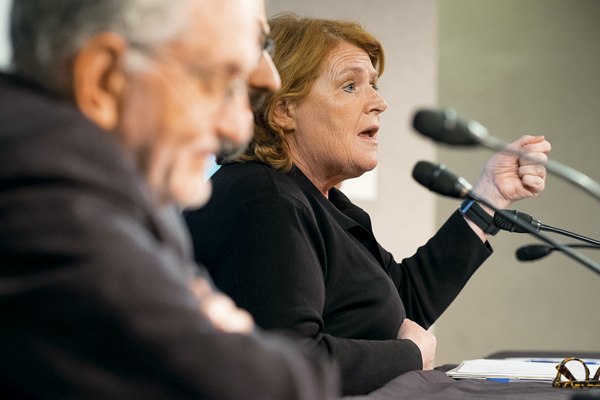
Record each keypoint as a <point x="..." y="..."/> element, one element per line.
<point x="286" y="245"/>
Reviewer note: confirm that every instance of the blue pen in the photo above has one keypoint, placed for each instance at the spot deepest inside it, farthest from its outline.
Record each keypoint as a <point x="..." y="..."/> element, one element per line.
<point x="503" y="380"/>
<point x="554" y="362"/>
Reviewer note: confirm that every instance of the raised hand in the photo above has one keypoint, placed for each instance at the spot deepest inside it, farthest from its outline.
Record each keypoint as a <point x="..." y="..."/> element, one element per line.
<point x="508" y="178"/>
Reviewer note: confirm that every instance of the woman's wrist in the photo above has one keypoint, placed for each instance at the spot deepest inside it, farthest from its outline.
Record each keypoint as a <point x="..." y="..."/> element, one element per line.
<point x="479" y="215"/>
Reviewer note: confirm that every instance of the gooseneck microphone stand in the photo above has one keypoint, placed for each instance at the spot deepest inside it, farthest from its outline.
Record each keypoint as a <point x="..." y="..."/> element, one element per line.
<point x="575" y="255"/>
<point x="534" y="252"/>
<point x="507" y="225"/>
<point x="572" y="235"/>
<point x="437" y="178"/>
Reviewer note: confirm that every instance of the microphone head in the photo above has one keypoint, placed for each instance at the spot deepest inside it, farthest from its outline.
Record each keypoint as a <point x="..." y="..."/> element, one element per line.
<point x="533" y="252"/>
<point x="445" y="127"/>
<point x="437" y="178"/>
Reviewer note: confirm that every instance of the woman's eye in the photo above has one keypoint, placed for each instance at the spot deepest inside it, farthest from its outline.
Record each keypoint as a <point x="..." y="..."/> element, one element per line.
<point x="374" y="86"/>
<point x="350" y="87"/>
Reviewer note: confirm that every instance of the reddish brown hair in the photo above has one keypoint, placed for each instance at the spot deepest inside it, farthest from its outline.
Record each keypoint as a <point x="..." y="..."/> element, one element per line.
<point x="301" y="46"/>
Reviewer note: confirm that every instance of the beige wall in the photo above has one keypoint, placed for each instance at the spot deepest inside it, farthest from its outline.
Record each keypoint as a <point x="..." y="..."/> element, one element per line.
<point x="525" y="67"/>
<point x="402" y="216"/>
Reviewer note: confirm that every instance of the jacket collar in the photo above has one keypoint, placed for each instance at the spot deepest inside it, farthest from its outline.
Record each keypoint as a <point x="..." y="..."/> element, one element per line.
<point x="350" y="217"/>
<point x="332" y="205"/>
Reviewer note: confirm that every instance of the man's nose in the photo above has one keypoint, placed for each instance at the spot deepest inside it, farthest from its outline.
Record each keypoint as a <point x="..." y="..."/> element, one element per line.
<point x="265" y="76"/>
<point x="235" y="121"/>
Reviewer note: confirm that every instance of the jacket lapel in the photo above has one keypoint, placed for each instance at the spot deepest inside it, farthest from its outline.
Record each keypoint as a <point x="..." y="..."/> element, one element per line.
<point x="349" y="217"/>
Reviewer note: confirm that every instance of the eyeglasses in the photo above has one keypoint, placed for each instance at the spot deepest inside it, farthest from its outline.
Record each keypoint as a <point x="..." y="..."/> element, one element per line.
<point x="571" y="381"/>
<point x="234" y="87"/>
<point x="258" y="95"/>
<point x="268" y="44"/>
<point x="204" y="80"/>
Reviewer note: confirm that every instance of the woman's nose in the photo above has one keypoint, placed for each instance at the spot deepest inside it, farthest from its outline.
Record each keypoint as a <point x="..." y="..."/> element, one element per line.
<point x="377" y="103"/>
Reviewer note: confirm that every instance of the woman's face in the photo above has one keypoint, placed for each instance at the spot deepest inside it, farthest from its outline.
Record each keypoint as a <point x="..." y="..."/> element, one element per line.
<point x="335" y="126"/>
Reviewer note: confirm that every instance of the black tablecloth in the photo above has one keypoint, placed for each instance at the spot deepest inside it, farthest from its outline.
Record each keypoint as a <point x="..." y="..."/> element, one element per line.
<point x="434" y="385"/>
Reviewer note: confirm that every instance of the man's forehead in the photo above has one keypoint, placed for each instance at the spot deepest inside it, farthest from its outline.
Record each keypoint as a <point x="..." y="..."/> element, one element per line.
<point x="261" y="16"/>
<point x="223" y="34"/>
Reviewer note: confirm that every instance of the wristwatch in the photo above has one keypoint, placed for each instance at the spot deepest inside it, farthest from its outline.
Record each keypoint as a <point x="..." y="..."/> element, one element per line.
<point x="472" y="210"/>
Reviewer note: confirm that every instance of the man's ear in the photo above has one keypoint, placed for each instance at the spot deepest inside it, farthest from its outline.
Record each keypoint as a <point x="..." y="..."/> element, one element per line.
<point x="283" y="114"/>
<point x="99" y="78"/>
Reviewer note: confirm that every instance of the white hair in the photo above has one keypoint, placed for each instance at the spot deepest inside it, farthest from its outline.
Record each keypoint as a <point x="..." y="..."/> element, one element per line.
<point x="47" y="33"/>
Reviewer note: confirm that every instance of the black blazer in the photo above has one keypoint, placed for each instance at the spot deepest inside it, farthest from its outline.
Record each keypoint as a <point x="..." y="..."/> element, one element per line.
<point x="301" y="262"/>
<point x="93" y="278"/>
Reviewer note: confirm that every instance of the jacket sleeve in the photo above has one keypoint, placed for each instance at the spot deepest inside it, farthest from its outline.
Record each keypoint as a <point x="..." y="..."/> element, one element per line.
<point x="277" y="273"/>
<point x="431" y="279"/>
<point x="94" y="306"/>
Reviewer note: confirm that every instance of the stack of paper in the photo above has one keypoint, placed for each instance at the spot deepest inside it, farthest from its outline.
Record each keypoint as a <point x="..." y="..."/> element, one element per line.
<point x="521" y="369"/>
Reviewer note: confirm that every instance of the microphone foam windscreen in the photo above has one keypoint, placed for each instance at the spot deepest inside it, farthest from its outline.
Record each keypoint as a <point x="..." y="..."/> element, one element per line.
<point x="533" y="252"/>
<point x="424" y="171"/>
<point x="441" y="127"/>
<point x="437" y="178"/>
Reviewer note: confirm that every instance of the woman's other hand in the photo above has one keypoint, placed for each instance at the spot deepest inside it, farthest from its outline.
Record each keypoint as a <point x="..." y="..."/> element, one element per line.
<point x="424" y="340"/>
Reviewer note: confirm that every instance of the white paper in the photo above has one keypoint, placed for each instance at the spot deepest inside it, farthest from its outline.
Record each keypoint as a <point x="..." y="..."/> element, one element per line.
<point x="518" y="368"/>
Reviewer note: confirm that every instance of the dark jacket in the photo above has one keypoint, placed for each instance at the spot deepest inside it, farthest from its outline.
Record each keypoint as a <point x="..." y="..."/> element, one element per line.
<point x="299" y="261"/>
<point x="93" y="278"/>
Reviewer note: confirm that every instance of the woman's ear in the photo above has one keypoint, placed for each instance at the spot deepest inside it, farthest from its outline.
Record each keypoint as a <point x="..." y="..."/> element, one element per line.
<point x="99" y="78"/>
<point x="283" y="114"/>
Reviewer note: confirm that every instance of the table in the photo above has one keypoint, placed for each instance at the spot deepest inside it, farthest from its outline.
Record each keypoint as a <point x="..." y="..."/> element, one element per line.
<point x="435" y="385"/>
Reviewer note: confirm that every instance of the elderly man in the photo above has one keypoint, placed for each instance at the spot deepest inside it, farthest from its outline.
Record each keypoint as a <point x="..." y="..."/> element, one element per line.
<point x="105" y="125"/>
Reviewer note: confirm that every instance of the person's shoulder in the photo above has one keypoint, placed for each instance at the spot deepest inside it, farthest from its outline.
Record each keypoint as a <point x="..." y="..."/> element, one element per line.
<point x="254" y="181"/>
<point x="27" y="111"/>
<point x="240" y="190"/>
<point x="47" y="139"/>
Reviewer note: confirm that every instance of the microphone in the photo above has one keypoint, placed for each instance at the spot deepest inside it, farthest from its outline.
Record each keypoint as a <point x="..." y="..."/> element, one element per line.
<point x="534" y="252"/>
<point x="446" y="127"/>
<point x="437" y="178"/>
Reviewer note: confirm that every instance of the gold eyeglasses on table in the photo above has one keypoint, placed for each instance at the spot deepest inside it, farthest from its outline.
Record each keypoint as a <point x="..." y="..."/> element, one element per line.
<point x="571" y="381"/>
